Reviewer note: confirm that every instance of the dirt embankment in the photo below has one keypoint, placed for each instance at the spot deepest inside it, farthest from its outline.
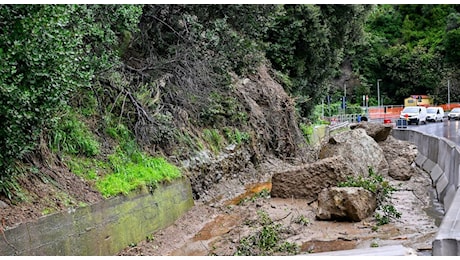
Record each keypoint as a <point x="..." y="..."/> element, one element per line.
<point x="270" y="122"/>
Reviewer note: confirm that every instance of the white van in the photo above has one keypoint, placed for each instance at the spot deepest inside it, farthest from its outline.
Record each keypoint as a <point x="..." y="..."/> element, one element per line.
<point x="414" y="114"/>
<point x="434" y="114"/>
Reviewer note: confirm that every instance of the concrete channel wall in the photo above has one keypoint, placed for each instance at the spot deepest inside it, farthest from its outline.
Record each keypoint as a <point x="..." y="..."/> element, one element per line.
<point x="101" y="229"/>
<point x="441" y="158"/>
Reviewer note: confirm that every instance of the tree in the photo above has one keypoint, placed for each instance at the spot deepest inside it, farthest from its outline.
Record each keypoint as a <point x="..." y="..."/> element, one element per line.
<point x="307" y="43"/>
<point x="48" y="52"/>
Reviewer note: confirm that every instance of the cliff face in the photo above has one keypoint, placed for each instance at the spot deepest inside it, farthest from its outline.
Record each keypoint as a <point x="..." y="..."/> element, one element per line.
<point x="273" y="132"/>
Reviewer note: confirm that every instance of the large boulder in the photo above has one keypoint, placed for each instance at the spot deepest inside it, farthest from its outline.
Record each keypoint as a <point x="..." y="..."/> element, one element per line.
<point x="307" y="181"/>
<point x="400" y="170"/>
<point x="358" y="149"/>
<point x="378" y="131"/>
<point x="401" y="157"/>
<point x="346" y="203"/>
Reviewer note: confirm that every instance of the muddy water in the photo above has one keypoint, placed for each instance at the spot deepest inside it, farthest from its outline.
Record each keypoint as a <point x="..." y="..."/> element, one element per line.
<point x="251" y="190"/>
<point x="436" y="209"/>
<point x="219" y="226"/>
<point x="319" y="246"/>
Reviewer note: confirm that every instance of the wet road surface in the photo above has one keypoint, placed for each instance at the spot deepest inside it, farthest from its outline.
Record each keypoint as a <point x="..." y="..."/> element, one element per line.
<point x="449" y="129"/>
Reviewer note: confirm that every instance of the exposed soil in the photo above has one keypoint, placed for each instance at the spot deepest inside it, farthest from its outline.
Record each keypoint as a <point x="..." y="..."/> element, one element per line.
<point x="47" y="188"/>
<point x="216" y="228"/>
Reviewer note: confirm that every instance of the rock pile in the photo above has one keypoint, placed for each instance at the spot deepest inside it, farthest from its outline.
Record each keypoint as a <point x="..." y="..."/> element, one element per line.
<point x="346" y="154"/>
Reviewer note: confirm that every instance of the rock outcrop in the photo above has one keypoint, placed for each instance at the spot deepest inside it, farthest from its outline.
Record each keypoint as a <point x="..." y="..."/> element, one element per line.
<point x="347" y="203"/>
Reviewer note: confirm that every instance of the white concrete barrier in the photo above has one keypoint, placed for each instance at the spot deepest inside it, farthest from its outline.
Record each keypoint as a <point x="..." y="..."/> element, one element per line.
<point x="441" y="158"/>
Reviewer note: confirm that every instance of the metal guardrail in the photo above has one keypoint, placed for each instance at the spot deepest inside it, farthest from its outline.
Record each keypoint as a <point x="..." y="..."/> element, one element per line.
<point x="343" y="118"/>
<point x="338" y="126"/>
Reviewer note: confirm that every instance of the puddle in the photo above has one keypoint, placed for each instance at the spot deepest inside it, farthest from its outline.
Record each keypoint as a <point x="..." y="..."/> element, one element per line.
<point x="222" y="224"/>
<point x="436" y="209"/>
<point x="316" y="246"/>
<point x="250" y="191"/>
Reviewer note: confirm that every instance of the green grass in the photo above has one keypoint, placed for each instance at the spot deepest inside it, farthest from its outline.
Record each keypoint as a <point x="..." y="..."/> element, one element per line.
<point x="72" y="136"/>
<point x="124" y="170"/>
<point x="307" y="131"/>
<point x="131" y="172"/>
<point x="88" y="168"/>
<point x="235" y="136"/>
<point x="213" y="138"/>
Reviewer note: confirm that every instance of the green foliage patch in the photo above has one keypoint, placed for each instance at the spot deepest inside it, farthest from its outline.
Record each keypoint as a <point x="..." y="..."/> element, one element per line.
<point x="47" y="54"/>
<point x="72" y="136"/>
<point x="131" y="172"/>
<point x="376" y="184"/>
<point x="267" y="240"/>
<point x="223" y="109"/>
<point x="307" y="131"/>
<point x="214" y="139"/>
<point x="233" y="135"/>
<point x="88" y="168"/>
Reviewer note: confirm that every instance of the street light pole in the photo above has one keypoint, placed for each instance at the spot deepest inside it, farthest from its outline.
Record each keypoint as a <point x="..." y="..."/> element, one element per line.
<point x="448" y="93"/>
<point x="345" y="97"/>
<point x="378" y="93"/>
<point x="344" y="100"/>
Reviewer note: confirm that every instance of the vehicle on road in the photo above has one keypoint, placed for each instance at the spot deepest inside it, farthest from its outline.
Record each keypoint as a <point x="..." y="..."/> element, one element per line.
<point x="434" y="114"/>
<point x="414" y="114"/>
<point x="454" y="114"/>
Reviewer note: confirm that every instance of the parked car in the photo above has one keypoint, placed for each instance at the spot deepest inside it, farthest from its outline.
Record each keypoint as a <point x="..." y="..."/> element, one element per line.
<point x="434" y="114"/>
<point x="414" y="114"/>
<point x="454" y="114"/>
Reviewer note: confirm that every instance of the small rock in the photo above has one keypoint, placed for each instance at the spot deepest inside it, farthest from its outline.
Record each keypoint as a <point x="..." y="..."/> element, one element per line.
<point x="3" y="205"/>
<point x="230" y="148"/>
<point x="332" y="140"/>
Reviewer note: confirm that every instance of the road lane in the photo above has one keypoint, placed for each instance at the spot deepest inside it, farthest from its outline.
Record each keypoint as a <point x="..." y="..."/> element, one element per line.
<point x="449" y="129"/>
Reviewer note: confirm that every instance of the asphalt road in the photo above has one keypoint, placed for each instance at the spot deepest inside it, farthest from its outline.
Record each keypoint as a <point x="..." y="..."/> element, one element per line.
<point x="449" y="129"/>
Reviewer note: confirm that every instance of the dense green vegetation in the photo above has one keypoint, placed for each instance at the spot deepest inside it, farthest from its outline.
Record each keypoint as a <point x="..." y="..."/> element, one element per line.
<point x="74" y="75"/>
<point x="412" y="48"/>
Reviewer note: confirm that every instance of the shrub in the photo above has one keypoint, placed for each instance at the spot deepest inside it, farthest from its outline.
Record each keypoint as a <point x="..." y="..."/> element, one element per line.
<point x="376" y="184"/>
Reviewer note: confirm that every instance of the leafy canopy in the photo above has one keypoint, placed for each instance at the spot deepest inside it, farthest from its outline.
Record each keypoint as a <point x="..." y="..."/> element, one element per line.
<point x="47" y="53"/>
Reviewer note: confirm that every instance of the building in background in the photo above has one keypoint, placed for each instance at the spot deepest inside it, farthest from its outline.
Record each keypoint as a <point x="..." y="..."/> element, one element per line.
<point x="418" y="100"/>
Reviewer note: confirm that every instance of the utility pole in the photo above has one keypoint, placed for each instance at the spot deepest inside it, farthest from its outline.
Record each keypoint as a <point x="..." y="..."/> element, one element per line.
<point x="378" y="93"/>
<point x="448" y="93"/>
<point x="345" y="97"/>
